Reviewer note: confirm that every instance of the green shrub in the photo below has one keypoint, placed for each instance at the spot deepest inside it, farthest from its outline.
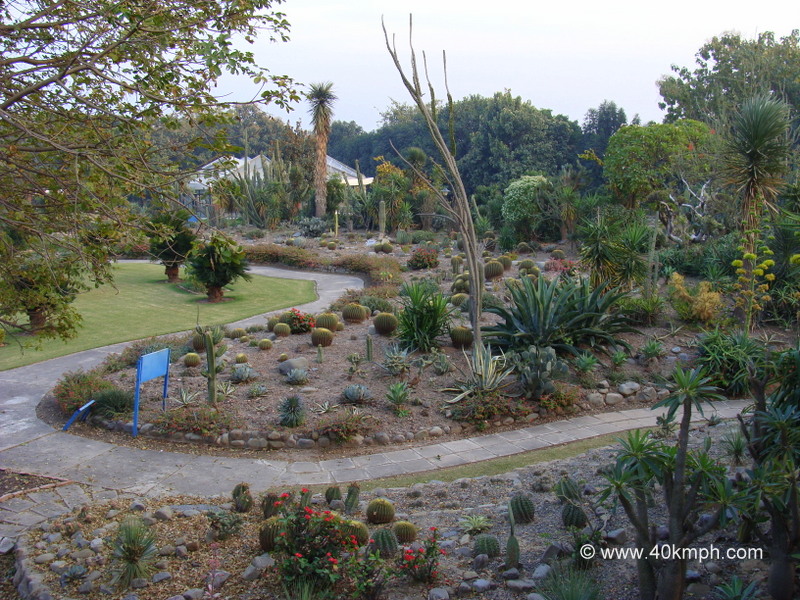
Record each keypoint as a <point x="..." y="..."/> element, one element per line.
<point x="425" y="316"/>
<point x="202" y="420"/>
<point x="112" y="402"/>
<point x="76" y="388"/>
<point x="284" y="255"/>
<point x="374" y="303"/>
<point x="135" y="552"/>
<point x="423" y="258"/>
<point x="728" y="357"/>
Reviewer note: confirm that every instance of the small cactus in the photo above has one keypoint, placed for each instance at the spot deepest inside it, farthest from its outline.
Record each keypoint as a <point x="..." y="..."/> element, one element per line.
<point x="384" y="542"/>
<point x="265" y="344"/>
<point x="242" y="498"/>
<point x="282" y="330"/>
<point x="331" y="245"/>
<point x="356" y="393"/>
<point x="521" y="507"/>
<point x="527" y="264"/>
<point x="333" y="493"/>
<point x="241" y="358"/>
<point x="486" y="544"/>
<point x="512" y="552"/>
<point x="505" y="261"/>
<point x="406" y="532"/>
<point x="567" y="490"/>
<point x="271" y="322"/>
<point x="340" y="326"/>
<point x="192" y="359"/>
<point x="557" y="254"/>
<point x="282" y="357"/>
<point x="270" y="504"/>
<point x="358" y="530"/>
<point x="320" y="336"/>
<point x="493" y="269"/>
<point x="327" y="320"/>
<point x="459" y="299"/>
<point x="353" y="313"/>
<point x="385" y="323"/>
<point x="268" y="534"/>
<point x="456" y="262"/>
<point x="351" y="500"/>
<point x="573" y="515"/>
<point x="237" y="333"/>
<point x="380" y="510"/>
<point x="461" y="337"/>
<point x="369" y="350"/>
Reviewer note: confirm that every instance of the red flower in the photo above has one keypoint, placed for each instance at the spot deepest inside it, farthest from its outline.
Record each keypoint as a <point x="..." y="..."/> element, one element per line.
<point x="298" y="555"/>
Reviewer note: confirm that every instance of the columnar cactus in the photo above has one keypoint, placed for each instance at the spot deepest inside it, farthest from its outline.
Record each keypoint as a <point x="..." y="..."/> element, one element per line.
<point x="270" y="504"/>
<point x="382" y="218"/>
<point x="456" y="262"/>
<point x="369" y="350"/>
<point x="512" y="545"/>
<point x="380" y="510"/>
<point x="351" y="500"/>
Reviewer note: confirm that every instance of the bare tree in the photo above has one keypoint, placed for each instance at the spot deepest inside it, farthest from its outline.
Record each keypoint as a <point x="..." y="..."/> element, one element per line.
<point x="454" y="202"/>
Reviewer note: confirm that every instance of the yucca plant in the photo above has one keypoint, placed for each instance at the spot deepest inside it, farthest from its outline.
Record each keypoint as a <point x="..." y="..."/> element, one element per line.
<point x="135" y="551"/>
<point x="425" y="317"/>
<point x="569" y="584"/>
<point x="562" y="314"/>
<point x="291" y="412"/>
<point x="488" y="375"/>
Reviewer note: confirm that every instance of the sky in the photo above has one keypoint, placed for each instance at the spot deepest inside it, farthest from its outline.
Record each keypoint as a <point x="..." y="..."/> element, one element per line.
<point x="566" y="56"/>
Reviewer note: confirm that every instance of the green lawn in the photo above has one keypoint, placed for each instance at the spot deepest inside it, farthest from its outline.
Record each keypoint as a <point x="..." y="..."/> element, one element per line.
<point x="143" y="304"/>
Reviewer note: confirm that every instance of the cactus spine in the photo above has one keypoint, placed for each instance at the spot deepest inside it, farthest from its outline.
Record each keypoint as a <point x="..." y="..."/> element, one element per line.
<point x="242" y="498"/>
<point x="351" y="500"/>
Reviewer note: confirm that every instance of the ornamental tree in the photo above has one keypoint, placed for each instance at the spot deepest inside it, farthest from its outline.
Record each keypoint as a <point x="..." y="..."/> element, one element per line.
<point x="217" y="263"/>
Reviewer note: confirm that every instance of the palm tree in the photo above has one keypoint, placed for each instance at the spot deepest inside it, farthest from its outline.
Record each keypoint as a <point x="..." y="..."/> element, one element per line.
<point x="321" y="97"/>
<point x="755" y="158"/>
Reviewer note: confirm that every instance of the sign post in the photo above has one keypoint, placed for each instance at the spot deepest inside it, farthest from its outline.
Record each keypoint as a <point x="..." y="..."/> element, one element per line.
<point x="150" y="366"/>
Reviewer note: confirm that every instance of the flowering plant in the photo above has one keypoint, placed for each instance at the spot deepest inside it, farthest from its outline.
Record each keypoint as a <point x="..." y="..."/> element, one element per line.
<point x="300" y="322"/>
<point x="422" y="564"/>
<point x="423" y="258"/>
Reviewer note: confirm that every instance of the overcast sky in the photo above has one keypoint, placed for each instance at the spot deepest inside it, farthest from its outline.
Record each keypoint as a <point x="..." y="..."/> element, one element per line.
<point x="567" y="56"/>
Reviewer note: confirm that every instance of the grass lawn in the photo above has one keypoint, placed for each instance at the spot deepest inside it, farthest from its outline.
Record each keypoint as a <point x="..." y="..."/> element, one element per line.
<point x="142" y="304"/>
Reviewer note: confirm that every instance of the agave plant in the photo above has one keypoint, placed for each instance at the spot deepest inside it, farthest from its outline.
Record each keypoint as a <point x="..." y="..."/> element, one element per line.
<point x="488" y="374"/>
<point x="562" y="314"/>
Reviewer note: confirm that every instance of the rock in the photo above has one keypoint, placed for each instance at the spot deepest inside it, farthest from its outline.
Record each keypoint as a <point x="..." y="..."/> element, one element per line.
<point x="480" y="562"/>
<point x="181" y="552"/>
<point x="96" y="545"/>
<point x="382" y="438"/>
<point x="510" y="574"/>
<point x="595" y="399"/>
<point x="88" y="586"/>
<point x="276" y="445"/>
<point x="534" y="596"/>
<point x="438" y="594"/>
<point x="521" y="585"/>
<point x="193" y="546"/>
<point x="464" y="589"/>
<point x="628" y="388"/>
<point x="324" y="441"/>
<point x="44" y="558"/>
<point x="293" y="363"/>
<point x="553" y="552"/>
<point x="701" y="590"/>
<point x="436" y="431"/>
<point x="308" y="390"/>
<point x="264" y="561"/>
<point x="167" y="550"/>
<point x="137" y="506"/>
<point x="469" y="575"/>
<point x="162" y="576"/>
<point x="693" y="576"/>
<point x="337" y="505"/>
<point x="541" y="572"/>
<point x="53" y="538"/>
<point x="618" y="537"/>
<point x="194" y="594"/>
<point x="251" y="573"/>
<point x="422" y="435"/>
<point x="662" y="533"/>
<point x="713" y="567"/>
<point x="463" y="552"/>
<point x="139" y="583"/>
<point x="481" y="585"/>
<point x="305" y="444"/>
<point x="163" y="514"/>
<point x="216" y="579"/>
<point x="106" y="590"/>
<point x="612" y="398"/>
<point x="58" y="566"/>
<point x="398" y="438"/>
<point x="6" y="545"/>
<point x="647" y="394"/>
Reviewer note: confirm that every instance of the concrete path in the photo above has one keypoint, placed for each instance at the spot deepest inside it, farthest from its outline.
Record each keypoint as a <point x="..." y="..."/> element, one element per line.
<point x="30" y="445"/>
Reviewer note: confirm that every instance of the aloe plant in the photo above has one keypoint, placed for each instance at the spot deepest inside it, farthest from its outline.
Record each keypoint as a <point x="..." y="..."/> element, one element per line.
<point x="487" y="374"/>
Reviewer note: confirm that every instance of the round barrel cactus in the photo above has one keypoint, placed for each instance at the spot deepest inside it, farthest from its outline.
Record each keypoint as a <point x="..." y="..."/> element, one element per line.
<point x="573" y="515"/>
<point x="385" y="323"/>
<point x="384" y="541"/>
<point x="487" y="544"/>
<point x="358" y="530"/>
<point x="521" y="506"/>
<point x="380" y="510"/>
<point x="268" y="533"/>
<point x="191" y="359"/>
<point x="353" y="313"/>
<point x="461" y="337"/>
<point x="406" y="532"/>
<point x="493" y="269"/>
<point x="282" y="330"/>
<point x="328" y="320"/>
<point x="505" y="261"/>
<point x="265" y="344"/>
<point x="320" y="336"/>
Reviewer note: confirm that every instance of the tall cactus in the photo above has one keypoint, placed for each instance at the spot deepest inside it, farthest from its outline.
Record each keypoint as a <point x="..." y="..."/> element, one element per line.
<point x="212" y="366"/>
<point x="351" y="500"/>
<point x="369" y="348"/>
<point x="512" y="546"/>
<point x="336" y="224"/>
<point x="382" y="218"/>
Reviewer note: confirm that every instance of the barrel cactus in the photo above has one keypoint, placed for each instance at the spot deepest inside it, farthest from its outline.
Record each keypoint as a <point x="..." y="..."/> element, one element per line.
<point x="241" y="358"/>
<point x="487" y="544"/>
<point x="268" y="533"/>
<point x="358" y="530"/>
<point x="331" y="245"/>
<point x="384" y="542"/>
<point x="282" y="330"/>
<point x="493" y="269"/>
<point x="351" y="500"/>
<point x="237" y="332"/>
<point x="456" y="262"/>
<point x="573" y="515"/>
<point x="521" y="506"/>
<point x="557" y="254"/>
<point x="282" y="357"/>
<point x="505" y="261"/>
<point x="385" y="323"/>
<point x="405" y="531"/>
<point x="353" y="313"/>
<point x="461" y="337"/>
<point x="527" y="264"/>
<point x="242" y="498"/>
<point x="265" y="344"/>
<point x="320" y="336"/>
<point x="270" y="505"/>
<point x="333" y="493"/>
<point x="191" y="359"/>
<point x="459" y="299"/>
<point x="380" y="510"/>
<point x="328" y="320"/>
<point x="567" y="490"/>
<point x="460" y="286"/>
<point x="271" y="322"/>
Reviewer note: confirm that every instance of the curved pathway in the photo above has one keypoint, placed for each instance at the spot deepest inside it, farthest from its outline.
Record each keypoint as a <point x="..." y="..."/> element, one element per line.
<point x="30" y="445"/>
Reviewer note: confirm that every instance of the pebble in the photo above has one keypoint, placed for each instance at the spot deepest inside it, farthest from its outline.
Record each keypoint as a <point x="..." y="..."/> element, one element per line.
<point x="162" y="576"/>
<point x="482" y="585"/>
<point x="469" y="575"/>
<point x="438" y="594"/>
<point x="541" y="572"/>
<point x="480" y="562"/>
<point x="510" y="574"/>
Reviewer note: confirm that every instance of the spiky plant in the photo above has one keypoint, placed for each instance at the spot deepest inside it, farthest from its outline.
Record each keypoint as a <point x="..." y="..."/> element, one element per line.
<point x="475" y="524"/>
<point x="242" y="498"/>
<point x="297" y="377"/>
<point x="380" y="510"/>
<point x="291" y="412"/>
<point x="135" y="551"/>
<point x="351" y="500"/>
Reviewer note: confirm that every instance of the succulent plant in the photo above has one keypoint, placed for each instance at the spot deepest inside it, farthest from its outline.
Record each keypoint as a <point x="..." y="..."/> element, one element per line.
<point x="493" y="269"/>
<point x="557" y="254"/>
<point x="191" y="359"/>
<point x="385" y="323"/>
<point x="353" y="313"/>
<point x="356" y="393"/>
<point x="460" y="286"/>
<point x="237" y="333"/>
<point x="573" y="515"/>
<point x="268" y="533"/>
<point x="461" y="337"/>
<point x="505" y="261"/>
<point x="351" y="500"/>
<point x="290" y="411"/>
<point x="241" y="358"/>
<point x="384" y="542"/>
<point x="456" y="262"/>
<point x="282" y="357"/>
<point x="242" y="498"/>
<point x="567" y="490"/>
<point x="265" y="344"/>
<point x="320" y="336"/>
<point x="527" y="264"/>
<point x="327" y="320"/>
<point x="270" y="504"/>
<point x="380" y="510"/>
<point x="297" y="377"/>
<point x="521" y="507"/>
<point x="487" y="544"/>
<point x="512" y="545"/>
<point x="459" y="299"/>
<point x="405" y="531"/>
<point x="282" y="330"/>
<point x="243" y="373"/>
<point x="340" y="326"/>
<point x="198" y="339"/>
<point x="331" y="245"/>
<point x="357" y="529"/>
<point x="271" y="322"/>
<point x="333" y="493"/>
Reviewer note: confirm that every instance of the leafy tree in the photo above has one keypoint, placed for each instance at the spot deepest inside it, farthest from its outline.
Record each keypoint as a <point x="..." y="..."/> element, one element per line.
<point x="527" y="203"/>
<point x="171" y="240"/>
<point x="321" y="97"/>
<point x="599" y="125"/>
<point x="217" y="263"/>
<point x="729" y="70"/>
<point x="82" y="86"/>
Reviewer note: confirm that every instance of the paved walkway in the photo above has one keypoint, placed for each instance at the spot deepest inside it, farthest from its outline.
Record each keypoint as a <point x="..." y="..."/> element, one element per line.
<point x="30" y="445"/>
